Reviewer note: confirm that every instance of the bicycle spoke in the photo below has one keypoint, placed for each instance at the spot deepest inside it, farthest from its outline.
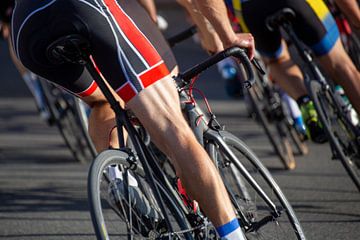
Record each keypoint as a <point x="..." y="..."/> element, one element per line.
<point x="127" y="208"/>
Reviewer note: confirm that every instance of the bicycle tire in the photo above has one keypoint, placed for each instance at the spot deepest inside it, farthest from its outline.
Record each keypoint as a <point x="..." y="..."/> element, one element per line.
<point x="300" y="145"/>
<point x="321" y="101"/>
<point x="102" y="228"/>
<point x="63" y="115"/>
<point x="280" y="142"/>
<point x="245" y="157"/>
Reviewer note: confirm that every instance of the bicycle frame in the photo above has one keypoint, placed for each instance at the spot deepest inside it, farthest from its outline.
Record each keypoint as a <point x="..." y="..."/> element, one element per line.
<point x="142" y="153"/>
<point x="75" y="49"/>
<point x="147" y="160"/>
<point x="204" y="128"/>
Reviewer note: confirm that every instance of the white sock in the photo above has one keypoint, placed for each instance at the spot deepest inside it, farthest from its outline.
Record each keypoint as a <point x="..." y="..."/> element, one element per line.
<point x="293" y="106"/>
<point x="231" y="231"/>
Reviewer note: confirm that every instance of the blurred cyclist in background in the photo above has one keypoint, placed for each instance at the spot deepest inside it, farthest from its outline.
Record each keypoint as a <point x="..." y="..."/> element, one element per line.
<point x="31" y="80"/>
<point x="317" y="28"/>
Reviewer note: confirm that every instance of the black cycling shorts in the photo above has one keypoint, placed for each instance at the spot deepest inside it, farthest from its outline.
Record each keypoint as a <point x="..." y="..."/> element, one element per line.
<point x="126" y="45"/>
<point x="314" y="24"/>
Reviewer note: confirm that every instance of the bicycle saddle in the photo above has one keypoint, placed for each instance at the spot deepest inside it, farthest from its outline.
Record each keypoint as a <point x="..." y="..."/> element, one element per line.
<point x="284" y="15"/>
<point x="69" y="49"/>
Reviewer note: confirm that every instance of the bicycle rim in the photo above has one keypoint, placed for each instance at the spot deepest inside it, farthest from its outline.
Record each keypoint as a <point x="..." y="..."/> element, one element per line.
<point x="264" y="222"/>
<point x="341" y="136"/>
<point x="115" y="216"/>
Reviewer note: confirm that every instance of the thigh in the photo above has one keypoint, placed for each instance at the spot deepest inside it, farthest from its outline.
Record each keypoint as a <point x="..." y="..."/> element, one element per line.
<point x="36" y="24"/>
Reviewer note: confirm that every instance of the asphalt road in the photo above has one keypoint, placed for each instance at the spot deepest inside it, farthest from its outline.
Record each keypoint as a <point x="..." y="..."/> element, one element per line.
<point x="43" y="190"/>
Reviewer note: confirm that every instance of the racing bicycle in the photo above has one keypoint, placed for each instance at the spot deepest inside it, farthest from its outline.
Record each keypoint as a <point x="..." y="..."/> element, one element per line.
<point x="134" y="192"/>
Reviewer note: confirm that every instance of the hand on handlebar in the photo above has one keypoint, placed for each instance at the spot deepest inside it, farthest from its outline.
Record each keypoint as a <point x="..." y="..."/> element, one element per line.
<point x="244" y="40"/>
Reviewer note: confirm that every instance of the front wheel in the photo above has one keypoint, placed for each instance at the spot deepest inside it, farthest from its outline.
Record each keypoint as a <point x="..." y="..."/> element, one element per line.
<point x="248" y="181"/>
<point x="128" y="209"/>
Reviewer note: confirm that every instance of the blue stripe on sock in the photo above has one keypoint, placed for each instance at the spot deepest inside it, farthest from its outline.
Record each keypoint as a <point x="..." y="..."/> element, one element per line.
<point x="228" y="228"/>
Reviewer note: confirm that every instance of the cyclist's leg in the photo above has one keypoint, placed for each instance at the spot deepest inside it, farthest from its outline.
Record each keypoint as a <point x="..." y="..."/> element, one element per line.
<point x="101" y="121"/>
<point x="136" y="71"/>
<point x="287" y="74"/>
<point x="339" y="65"/>
<point x="155" y="102"/>
<point x="158" y="108"/>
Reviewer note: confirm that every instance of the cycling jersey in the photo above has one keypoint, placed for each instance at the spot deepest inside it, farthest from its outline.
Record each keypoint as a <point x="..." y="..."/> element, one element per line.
<point x="126" y="46"/>
<point x="314" y="24"/>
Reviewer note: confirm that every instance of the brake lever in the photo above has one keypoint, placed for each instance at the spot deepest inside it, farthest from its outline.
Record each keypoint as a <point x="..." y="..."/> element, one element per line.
<point x="258" y="66"/>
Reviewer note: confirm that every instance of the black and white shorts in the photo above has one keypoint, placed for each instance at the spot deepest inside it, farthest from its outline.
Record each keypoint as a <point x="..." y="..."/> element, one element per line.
<point x="126" y="45"/>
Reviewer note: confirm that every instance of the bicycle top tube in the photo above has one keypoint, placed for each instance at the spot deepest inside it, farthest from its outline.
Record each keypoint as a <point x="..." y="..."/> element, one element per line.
<point x="237" y="52"/>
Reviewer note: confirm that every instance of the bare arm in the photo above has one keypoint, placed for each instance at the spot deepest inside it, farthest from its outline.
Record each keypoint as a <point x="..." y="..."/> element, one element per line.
<point x="208" y="37"/>
<point x="215" y="12"/>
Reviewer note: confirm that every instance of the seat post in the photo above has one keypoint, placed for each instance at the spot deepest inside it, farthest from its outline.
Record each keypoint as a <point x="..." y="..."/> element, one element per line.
<point x="120" y="113"/>
<point x="75" y="49"/>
